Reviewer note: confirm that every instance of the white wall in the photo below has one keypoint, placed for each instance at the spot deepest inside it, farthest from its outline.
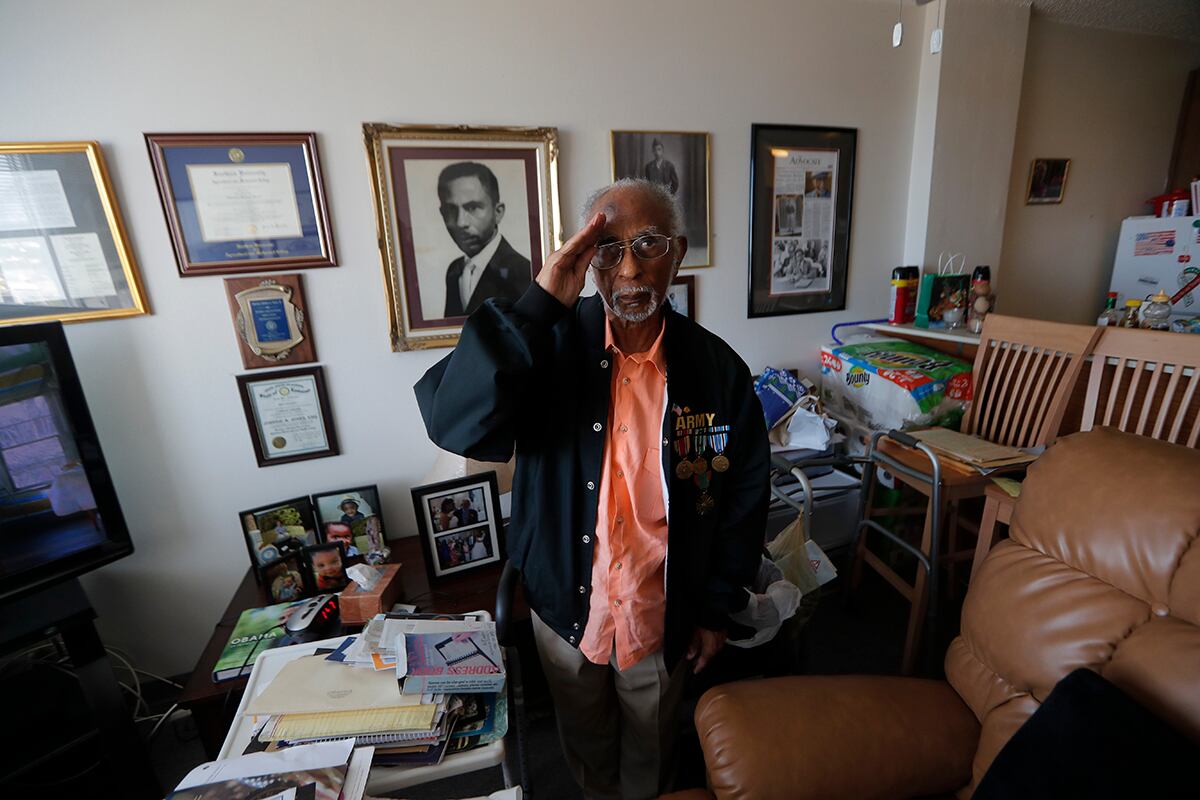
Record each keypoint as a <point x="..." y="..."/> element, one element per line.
<point x="162" y="387"/>
<point x="1110" y="103"/>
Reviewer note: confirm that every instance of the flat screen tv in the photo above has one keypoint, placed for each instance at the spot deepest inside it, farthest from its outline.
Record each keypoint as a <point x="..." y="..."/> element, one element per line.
<point x="59" y="515"/>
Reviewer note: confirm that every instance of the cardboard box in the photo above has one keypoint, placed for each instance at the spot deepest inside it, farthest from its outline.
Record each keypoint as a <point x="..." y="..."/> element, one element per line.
<point x="358" y="606"/>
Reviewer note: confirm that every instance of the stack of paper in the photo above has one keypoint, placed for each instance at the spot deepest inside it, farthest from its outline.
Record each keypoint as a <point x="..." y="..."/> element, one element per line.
<point x="335" y="769"/>
<point x="970" y="451"/>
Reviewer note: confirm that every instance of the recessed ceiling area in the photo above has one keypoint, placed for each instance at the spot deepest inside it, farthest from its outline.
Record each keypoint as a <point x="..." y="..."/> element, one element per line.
<point x="1179" y="19"/>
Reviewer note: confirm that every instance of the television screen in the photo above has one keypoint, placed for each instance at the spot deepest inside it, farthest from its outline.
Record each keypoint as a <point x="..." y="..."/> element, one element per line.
<point x="59" y="514"/>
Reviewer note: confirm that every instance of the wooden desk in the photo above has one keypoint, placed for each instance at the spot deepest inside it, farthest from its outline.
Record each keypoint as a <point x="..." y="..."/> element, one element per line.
<point x="213" y="705"/>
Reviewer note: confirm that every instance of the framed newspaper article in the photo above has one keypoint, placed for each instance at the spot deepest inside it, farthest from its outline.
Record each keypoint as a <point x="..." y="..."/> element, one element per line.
<point x="801" y="185"/>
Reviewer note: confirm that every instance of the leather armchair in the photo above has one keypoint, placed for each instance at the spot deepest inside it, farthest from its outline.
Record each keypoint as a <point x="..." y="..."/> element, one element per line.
<point x="1102" y="571"/>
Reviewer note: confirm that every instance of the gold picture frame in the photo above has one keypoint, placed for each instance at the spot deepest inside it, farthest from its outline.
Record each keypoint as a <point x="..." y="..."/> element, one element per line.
<point x="425" y="254"/>
<point x="632" y="155"/>
<point x="1048" y="184"/>
<point x="64" y="251"/>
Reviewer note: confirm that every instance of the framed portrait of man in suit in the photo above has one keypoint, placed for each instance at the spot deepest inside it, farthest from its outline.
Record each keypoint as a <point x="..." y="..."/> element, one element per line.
<point x="465" y="215"/>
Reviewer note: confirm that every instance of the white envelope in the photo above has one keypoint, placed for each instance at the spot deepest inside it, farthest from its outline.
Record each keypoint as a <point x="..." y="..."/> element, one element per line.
<point x="311" y="685"/>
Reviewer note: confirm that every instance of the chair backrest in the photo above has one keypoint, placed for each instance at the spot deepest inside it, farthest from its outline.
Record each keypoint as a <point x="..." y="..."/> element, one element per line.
<point x="1144" y="382"/>
<point x="1022" y="379"/>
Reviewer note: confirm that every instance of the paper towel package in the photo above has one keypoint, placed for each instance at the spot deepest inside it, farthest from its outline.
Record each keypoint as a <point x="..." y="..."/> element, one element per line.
<point x="889" y="383"/>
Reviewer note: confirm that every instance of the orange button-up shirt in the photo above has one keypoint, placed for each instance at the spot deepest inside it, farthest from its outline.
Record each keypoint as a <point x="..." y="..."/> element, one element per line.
<point x="628" y="599"/>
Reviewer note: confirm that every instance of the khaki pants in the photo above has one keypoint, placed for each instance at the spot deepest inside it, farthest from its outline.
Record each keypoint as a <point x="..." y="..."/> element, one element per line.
<point x="617" y="727"/>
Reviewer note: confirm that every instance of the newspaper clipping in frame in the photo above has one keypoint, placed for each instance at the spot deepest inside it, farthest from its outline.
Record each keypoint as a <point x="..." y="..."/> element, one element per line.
<point x="802" y="244"/>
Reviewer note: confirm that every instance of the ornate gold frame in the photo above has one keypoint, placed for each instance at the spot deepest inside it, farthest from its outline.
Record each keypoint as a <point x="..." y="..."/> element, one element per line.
<point x="375" y="134"/>
<point x="116" y="227"/>
<point x="612" y="160"/>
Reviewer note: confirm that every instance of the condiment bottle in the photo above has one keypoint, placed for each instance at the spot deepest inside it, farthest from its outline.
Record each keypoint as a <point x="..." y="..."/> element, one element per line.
<point x="1130" y="318"/>
<point x="1157" y="313"/>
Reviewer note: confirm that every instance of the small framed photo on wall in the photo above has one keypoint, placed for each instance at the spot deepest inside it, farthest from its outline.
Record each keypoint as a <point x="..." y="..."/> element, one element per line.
<point x="681" y="295"/>
<point x="679" y="161"/>
<point x="464" y="214"/>
<point x="326" y="567"/>
<point x="459" y="525"/>
<point x="1047" y="181"/>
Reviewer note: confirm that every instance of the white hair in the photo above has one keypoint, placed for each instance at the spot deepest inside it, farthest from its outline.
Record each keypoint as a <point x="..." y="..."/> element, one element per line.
<point x="657" y="191"/>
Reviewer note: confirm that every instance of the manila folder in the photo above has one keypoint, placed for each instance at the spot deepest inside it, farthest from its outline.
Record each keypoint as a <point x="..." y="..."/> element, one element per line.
<point x="312" y="684"/>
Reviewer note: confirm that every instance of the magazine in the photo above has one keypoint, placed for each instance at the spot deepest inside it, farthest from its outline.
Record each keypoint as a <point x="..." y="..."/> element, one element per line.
<point x="257" y="631"/>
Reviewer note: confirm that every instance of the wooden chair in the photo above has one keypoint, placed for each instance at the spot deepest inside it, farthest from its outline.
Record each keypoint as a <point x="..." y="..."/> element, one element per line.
<point x="1021" y="381"/>
<point x="1141" y="382"/>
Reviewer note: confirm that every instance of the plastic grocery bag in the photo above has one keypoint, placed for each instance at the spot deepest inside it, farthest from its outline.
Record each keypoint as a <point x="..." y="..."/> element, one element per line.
<point x="773" y="602"/>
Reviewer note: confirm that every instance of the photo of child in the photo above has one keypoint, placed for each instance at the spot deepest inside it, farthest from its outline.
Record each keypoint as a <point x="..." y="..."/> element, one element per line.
<point x="354" y="518"/>
<point x="284" y="578"/>
<point x="327" y="567"/>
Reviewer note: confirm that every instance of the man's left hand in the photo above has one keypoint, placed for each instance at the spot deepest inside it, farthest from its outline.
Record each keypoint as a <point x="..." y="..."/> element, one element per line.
<point x="705" y="644"/>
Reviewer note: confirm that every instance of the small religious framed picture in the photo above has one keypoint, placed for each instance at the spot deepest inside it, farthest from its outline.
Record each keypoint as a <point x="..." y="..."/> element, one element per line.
<point x="271" y="321"/>
<point x="242" y="202"/>
<point x="459" y="524"/>
<point x="64" y="252"/>
<point x="289" y="416"/>
<point x="464" y="215"/>
<point x="353" y="517"/>
<point x="285" y="578"/>
<point x="801" y="186"/>
<point x="681" y="295"/>
<point x="274" y="531"/>
<point x="327" y="567"/>
<point x="1047" y="181"/>
<point x="678" y="161"/>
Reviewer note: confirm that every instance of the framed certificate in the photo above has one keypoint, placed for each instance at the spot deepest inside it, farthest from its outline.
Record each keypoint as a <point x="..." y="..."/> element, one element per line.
<point x="64" y="254"/>
<point x="247" y="202"/>
<point x="271" y="321"/>
<point x="288" y="414"/>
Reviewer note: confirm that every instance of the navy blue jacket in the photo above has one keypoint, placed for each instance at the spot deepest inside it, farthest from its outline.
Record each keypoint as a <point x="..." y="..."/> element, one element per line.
<point x="534" y="376"/>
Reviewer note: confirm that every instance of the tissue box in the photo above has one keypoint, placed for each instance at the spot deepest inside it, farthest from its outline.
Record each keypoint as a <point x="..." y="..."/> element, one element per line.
<point x="357" y="606"/>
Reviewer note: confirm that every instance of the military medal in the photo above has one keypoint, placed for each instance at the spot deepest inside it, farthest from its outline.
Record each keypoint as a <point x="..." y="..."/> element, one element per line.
<point x="704" y="504"/>
<point x="700" y="464"/>
<point x="683" y="470"/>
<point x="720" y="463"/>
<point x="719" y="439"/>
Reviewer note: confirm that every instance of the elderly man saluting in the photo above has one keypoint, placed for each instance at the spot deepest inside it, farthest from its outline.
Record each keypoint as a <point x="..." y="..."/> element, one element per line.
<point x="640" y="494"/>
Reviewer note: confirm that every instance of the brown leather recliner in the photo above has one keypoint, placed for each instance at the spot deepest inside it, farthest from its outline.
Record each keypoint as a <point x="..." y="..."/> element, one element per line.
<point x="1102" y="571"/>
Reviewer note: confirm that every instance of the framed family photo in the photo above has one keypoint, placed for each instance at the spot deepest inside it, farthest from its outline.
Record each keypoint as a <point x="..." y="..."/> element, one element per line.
<point x="64" y="252"/>
<point x="288" y="414"/>
<point x="327" y="567"/>
<point x="678" y="160"/>
<point x="242" y="202"/>
<point x="464" y="214"/>
<point x="459" y="524"/>
<point x="353" y="517"/>
<point x="278" y="530"/>
<point x="801" y="184"/>
<point x="1047" y="181"/>
<point x="286" y="578"/>
<point x="681" y="295"/>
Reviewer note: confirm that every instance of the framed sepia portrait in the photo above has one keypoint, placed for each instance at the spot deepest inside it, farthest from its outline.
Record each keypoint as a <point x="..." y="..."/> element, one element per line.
<point x="801" y="185"/>
<point x="1047" y="181"/>
<point x="271" y="321"/>
<point x="288" y="415"/>
<point x="464" y="214"/>
<point x="678" y="160"/>
<point x="460" y="525"/>
<point x="242" y="202"/>
<point x="681" y="295"/>
<point x="64" y="252"/>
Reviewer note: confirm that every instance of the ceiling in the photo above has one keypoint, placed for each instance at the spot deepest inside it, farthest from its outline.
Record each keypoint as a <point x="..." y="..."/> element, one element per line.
<point x="1179" y="19"/>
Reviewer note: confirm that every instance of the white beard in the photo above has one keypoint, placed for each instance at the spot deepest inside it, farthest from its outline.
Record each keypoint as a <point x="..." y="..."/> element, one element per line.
<point x="632" y="316"/>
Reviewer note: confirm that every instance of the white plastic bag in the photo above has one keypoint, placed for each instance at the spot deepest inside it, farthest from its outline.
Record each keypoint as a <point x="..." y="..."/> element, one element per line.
<point x="773" y="602"/>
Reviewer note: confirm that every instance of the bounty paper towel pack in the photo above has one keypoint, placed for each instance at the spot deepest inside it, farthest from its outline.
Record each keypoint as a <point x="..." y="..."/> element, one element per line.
<point x="890" y="383"/>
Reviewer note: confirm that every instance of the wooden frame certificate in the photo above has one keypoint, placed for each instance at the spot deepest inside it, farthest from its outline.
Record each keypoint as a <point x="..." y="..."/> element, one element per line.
<point x="288" y="414"/>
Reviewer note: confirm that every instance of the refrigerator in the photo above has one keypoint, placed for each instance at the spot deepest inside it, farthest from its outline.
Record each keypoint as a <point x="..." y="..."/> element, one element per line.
<point x="1159" y="253"/>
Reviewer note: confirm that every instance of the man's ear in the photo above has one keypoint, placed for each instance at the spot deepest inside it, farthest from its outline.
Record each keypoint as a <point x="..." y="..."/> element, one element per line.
<point x="681" y="244"/>
<point x="499" y="212"/>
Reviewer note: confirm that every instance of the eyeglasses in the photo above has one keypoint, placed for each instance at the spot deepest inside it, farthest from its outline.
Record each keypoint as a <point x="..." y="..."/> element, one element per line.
<point x="645" y="247"/>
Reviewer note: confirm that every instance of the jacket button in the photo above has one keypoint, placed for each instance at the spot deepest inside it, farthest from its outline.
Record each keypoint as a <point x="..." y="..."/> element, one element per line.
<point x="597" y="427"/>
<point x="571" y="640"/>
<point x="591" y="485"/>
<point x="604" y="364"/>
<point x="587" y="539"/>
<point x="664" y="441"/>
<point x="575" y="626"/>
<point x="583" y="590"/>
